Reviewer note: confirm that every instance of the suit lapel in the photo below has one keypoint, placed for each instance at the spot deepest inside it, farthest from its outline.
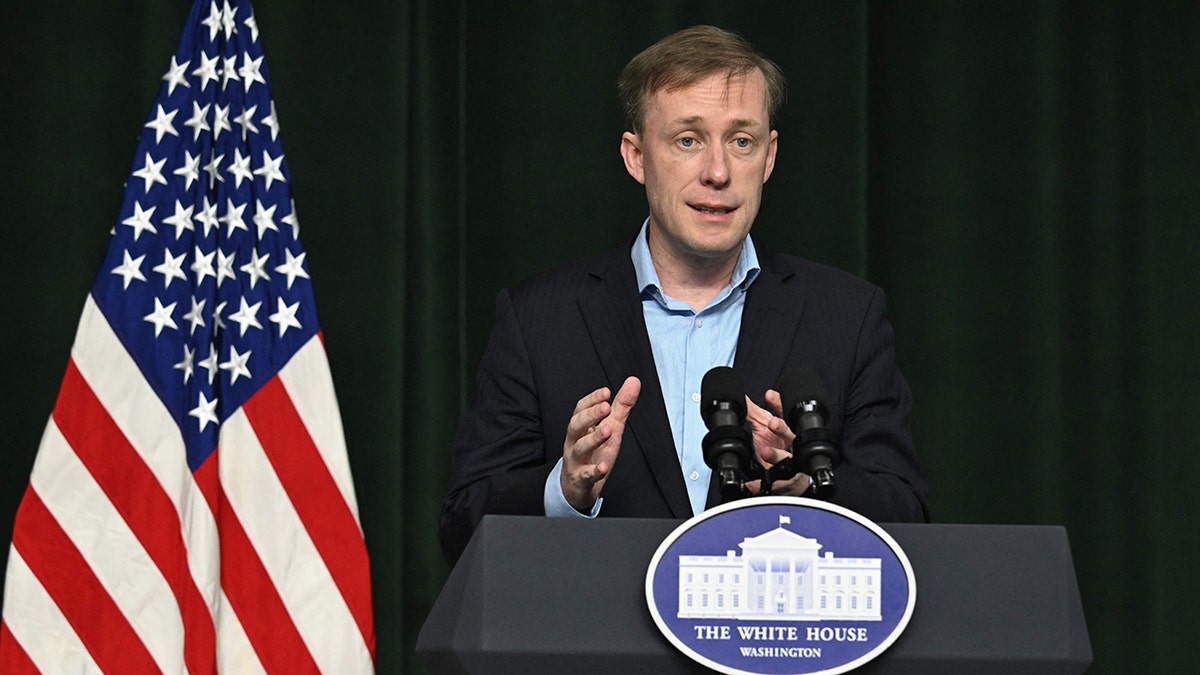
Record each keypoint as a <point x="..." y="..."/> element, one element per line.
<point x="612" y="311"/>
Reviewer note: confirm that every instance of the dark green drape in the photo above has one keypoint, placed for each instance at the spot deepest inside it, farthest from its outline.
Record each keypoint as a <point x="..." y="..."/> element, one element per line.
<point x="1023" y="178"/>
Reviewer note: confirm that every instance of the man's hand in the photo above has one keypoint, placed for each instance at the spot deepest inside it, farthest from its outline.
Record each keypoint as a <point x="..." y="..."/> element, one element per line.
<point x="593" y="440"/>
<point x="773" y="442"/>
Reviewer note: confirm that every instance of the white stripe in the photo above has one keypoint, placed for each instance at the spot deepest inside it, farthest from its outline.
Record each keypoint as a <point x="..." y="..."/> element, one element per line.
<point x="275" y="530"/>
<point x="141" y="415"/>
<point x="110" y="548"/>
<point x="38" y="625"/>
<point x="309" y="384"/>
<point x="235" y="654"/>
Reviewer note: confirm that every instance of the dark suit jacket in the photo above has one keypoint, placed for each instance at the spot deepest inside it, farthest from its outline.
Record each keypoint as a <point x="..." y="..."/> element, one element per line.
<point x="562" y="334"/>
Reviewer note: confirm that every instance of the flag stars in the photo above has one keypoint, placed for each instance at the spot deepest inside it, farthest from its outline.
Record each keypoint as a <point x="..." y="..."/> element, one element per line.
<point x="270" y="170"/>
<point x="182" y="220"/>
<point x="161" y="317"/>
<point x="205" y="412"/>
<point x="171" y="268"/>
<point x="199" y="120"/>
<point x="190" y="170"/>
<point x="162" y="122"/>
<point x="209" y="363"/>
<point x="236" y="365"/>
<point x="240" y="168"/>
<point x="246" y="121"/>
<point x="151" y="171"/>
<point x="285" y="316"/>
<point x="256" y="268"/>
<point x="187" y="365"/>
<point x="294" y="267"/>
<point x="233" y="217"/>
<point x="264" y="218"/>
<point x="250" y="71"/>
<point x="195" y="315"/>
<point x="130" y="269"/>
<point x="140" y="220"/>
<point x="176" y="76"/>
<point x="207" y="70"/>
<point x="247" y="316"/>
<point x="225" y="267"/>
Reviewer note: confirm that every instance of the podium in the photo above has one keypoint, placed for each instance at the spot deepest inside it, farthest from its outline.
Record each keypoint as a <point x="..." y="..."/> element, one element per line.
<point x="556" y="595"/>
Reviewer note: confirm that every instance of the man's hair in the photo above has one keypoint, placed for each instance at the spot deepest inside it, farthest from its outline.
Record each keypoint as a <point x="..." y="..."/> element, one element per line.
<point x="688" y="56"/>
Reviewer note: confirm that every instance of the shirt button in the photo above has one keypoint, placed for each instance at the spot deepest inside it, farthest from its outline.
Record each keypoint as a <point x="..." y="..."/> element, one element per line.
<point x="696" y="397"/>
<point x="695" y="475"/>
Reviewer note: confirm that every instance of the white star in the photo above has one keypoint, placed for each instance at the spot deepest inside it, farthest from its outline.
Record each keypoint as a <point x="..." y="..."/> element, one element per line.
<point x="264" y="218"/>
<point x="249" y="71"/>
<point x="236" y="365"/>
<point x="247" y="316"/>
<point x="203" y="265"/>
<point x="140" y="220"/>
<point x="171" y="268"/>
<point x="205" y="411"/>
<point x="253" y="26"/>
<point x="290" y="219"/>
<point x="240" y="168"/>
<point x="221" y="121"/>
<point x="210" y="363"/>
<point x="151" y="172"/>
<point x="190" y="170"/>
<point x="225" y="267"/>
<point x="182" y="220"/>
<point x="218" y="320"/>
<point x="161" y="316"/>
<point x="195" y="315"/>
<point x="256" y="268"/>
<point x="175" y="76"/>
<point x="161" y="124"/>
<point x="213" y="22"/>
<point x="228" y="71"/>
<point x="233" y="217"/>
<point x="246" y="120"/>
<point x="208" y="216"/>
<point x="294" y="267"/>
<point x="272" y="122"/>
<point x="199" y="120"/>
<point x="187" y="365"/>
<point x="227" y="20"/>
<point x="214" y="170"/>
<point x="207" y="70"/>
<point x="285" y="316"/>
<point x="130" y="269"/>
<point x="269" y="169"/>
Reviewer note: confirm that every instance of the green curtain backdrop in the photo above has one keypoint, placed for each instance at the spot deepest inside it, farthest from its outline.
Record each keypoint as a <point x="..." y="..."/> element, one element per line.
<point x="1023" y="178"/>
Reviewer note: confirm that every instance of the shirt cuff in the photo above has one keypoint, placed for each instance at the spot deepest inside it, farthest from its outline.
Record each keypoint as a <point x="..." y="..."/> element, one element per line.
<point x="555" y="502"/>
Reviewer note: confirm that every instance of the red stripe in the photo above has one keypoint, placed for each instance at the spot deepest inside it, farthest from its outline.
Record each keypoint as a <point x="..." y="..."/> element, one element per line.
<point x="70" y="582"/>
<point x="137" y="495"/>
<point x="316" y="498"/>
<point x="13" y="659"/>
<point x="251" y="593"/>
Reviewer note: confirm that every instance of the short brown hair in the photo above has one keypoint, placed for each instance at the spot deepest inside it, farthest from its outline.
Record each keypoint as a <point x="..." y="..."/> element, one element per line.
<point x="688" y="56"/>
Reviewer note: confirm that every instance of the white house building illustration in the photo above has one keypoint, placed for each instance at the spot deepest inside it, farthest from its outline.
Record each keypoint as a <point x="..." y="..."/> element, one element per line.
<point x="780" y="575"/>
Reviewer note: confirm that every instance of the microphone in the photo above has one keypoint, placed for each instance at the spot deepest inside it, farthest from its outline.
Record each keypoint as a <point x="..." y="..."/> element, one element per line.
<point x="727" y="446"/>
<point x="807" y="413"/>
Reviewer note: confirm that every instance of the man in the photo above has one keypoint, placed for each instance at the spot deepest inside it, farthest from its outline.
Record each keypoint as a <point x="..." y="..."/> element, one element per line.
<point x="587" y="401"/>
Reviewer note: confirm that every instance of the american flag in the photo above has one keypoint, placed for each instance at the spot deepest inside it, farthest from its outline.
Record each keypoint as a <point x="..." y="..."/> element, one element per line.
<point x="191" y="507"/>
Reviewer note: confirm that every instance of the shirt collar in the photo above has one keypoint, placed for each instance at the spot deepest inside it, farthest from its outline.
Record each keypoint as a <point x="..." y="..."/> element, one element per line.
<point x="744" y="272"/>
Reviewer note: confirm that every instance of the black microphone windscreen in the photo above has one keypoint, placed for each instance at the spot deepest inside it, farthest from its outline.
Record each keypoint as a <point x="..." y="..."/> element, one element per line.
<point x="722" y="384"/>
<point x="799" y="385"/>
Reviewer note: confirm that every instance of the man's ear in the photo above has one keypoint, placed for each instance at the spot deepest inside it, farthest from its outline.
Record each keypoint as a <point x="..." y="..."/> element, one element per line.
<point x="631" y="151"/>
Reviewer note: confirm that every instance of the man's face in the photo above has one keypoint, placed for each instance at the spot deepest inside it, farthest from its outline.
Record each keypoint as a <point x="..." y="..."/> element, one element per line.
<point x="703" y="154"/>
